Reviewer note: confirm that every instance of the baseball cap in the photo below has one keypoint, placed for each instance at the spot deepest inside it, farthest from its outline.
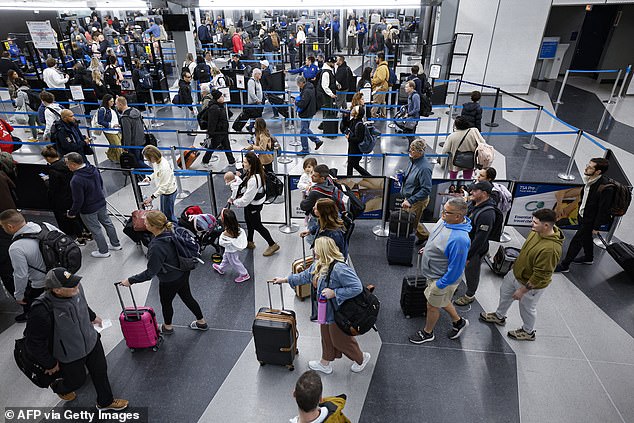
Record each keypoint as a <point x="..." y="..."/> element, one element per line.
<point x="216" y="94"/>
<point x="482" y="186"/>
<point x="264" y="63"/>
<point x="59" y="277"/>
<point x="331" y="59"/>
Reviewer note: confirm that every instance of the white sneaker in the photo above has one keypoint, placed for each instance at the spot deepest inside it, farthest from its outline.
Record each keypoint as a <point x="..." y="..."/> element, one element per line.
<point x="97" y="254"/>
<point x="117" y="248"/>
<point x="318" y="367"/>
<point x="359" y="367"/>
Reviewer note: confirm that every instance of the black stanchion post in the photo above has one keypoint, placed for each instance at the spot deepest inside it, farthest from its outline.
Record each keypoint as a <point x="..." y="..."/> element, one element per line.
<point x="212" y="193"/>
<point x="289" y="227"/>
<point x="493" y="123"/>
<point x="383" y="230"/>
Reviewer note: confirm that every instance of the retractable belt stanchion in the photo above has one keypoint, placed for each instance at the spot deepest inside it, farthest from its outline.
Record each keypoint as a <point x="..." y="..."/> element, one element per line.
<point x="611" y="99"/>
<point x="506" y="237"/>
<point x="284" y="158"/>
<point x="493" y="123"/>
<point x="153" y="110"/>
<point x="561" y="91"/>
<point x="295" y="142"/>
<point x="383" y="230"/>
<point x="435" y="160"/>
<point x="449" y="115"/>
<point x="627" y="72"/>
<point x="446" y="169"/>
<point x="610" y="234"/>
<point x="531" y="144"/>
<point x="289" y="227"/>
<point x="212" y="193"/>
<point x="567" y="176"/>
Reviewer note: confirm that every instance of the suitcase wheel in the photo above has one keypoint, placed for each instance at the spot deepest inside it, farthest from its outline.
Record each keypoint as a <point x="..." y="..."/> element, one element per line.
<point x="290" y="367"/>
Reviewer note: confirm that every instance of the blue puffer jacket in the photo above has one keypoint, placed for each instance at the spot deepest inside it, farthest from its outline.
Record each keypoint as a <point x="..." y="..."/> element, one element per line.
<point x="343" y="280"/>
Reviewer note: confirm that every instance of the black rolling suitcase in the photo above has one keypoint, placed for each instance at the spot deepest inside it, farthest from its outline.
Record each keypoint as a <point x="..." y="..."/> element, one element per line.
<point x="400" y="245"/>
<point x="623" y="254"/>
<point x="413" y="300"/>
<point x="503" y="260"/>
<point x="275" y="334"/>
<point x="275" y="100"/>
<point x="331" y="127"/>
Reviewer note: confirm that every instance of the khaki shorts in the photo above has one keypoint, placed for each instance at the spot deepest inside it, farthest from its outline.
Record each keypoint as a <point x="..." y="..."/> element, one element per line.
<point x="439" y="297"/>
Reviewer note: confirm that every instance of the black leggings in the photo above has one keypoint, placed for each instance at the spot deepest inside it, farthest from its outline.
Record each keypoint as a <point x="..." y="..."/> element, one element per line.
<point x="254" y="223"/>
<point x="354" y="163"/>
<point x="167" y="292"/>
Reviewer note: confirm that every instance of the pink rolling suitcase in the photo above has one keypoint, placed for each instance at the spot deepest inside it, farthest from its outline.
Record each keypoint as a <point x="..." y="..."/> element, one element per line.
<point x="139" y="325"/>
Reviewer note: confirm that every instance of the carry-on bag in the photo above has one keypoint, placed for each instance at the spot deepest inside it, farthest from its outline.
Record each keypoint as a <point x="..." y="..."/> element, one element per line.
<point x="503" y="260"/>
<point x="298" y="266"/>
<point x="275" y="334"/>
<point x="413" y="300"/>
<point x="622" y="253"/>
<point x="138" y="324"/>
<point x="401" y="248"/>
<point x="402" y="223"/>
<point x="190" y="157"/>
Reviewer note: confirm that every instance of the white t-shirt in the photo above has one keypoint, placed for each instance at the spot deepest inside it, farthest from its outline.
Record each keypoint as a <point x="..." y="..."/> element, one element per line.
<point x="323" y="413"/>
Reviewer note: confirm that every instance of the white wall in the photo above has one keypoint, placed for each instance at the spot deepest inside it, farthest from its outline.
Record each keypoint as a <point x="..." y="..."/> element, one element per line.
<point x="506" y="41"/>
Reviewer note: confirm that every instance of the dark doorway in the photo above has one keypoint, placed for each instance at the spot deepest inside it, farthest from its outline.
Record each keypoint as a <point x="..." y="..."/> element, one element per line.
<point x="595" y="32"/>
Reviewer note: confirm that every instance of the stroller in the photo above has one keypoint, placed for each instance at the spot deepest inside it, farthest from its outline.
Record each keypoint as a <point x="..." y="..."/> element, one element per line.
<point x="205" y="227"/>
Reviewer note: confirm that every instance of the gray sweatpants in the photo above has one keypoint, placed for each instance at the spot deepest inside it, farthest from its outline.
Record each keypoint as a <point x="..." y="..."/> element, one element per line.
<point x="528" y="303"/>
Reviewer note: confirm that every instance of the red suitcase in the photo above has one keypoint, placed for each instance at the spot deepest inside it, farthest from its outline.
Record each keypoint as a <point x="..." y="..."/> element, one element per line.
<point x="139" y="326"/>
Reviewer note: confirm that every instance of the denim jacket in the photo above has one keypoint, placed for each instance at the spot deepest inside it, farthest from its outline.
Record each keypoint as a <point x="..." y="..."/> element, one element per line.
<point x="343" y="280"/>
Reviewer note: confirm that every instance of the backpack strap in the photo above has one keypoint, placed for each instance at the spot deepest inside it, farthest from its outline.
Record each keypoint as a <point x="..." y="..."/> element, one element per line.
<point x="39" y="237"/>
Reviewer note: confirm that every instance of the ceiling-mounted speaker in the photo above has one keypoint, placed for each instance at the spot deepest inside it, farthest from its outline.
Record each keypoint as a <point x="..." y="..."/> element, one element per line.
<point x="91" y="4"/>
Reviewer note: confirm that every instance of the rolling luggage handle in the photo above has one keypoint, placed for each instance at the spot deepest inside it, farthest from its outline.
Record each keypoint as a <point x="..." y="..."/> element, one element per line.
<point x="136" y="309"/>
<point x="603" y="241"/>
<point x="398" y="226"/>
<point x="419" y="262"/>
<point x="268" y="288"/>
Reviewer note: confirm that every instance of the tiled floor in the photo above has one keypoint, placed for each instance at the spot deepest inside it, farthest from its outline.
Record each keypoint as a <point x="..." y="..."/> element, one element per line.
<point x="579" y="369"/>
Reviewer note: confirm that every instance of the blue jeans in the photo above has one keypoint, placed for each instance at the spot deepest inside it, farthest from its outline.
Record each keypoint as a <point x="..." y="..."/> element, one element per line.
<point x="305" y="129"/>
<point x="94" y="222"/>
<point x="167" y="205"/>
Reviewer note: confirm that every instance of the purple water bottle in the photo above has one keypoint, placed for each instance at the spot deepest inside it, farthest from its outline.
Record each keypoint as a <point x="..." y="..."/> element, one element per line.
<point x="321" y="309"/>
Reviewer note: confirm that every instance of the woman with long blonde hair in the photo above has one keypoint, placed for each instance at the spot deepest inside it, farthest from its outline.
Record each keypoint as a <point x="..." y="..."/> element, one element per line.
<point x="338" y="282"/>
<point x="163" y="263"/>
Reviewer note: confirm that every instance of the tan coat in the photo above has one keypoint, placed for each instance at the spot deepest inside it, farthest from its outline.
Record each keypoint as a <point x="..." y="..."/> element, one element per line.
<point x="381" y="77"/>
<point x="453" y="140"/>
<point x="263" y="143"/>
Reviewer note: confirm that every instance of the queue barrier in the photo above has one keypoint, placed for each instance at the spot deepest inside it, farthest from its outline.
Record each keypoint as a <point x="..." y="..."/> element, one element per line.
<point x="610" y="100"/>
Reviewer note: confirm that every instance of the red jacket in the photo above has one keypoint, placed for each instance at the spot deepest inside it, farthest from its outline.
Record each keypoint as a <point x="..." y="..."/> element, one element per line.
<point x="5" y="135"/>
<point x="238" y="47"/>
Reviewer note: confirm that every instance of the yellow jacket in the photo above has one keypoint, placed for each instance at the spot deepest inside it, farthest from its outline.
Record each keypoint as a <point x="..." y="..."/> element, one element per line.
<point x="381" y="77"/>
<point x="538" y="258"/>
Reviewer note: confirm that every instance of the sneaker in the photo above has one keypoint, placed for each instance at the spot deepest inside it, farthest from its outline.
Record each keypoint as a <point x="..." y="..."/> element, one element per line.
<point x="318" y="367"/>
<point x="421" y="337"/>
<point x="251" y="245"/>
<point x="521" y="335"/>
<point x="166" y="331"/>
<point x="197" y="326"/>
<point x="115" y="247"/>
<point x="356" y="368"/>
<point x="562" y="269"/>
<point x="71" y="396"/>
<point x="242" y="278"/>
<point x="458" y="328"/>
<point x="318" y="145"/>
<point x="271" y="250"/>
<point x="217" y="268"/>
<point x="464" y="300"/>
<point x="21" y="318"/>
<point x="116" y="405"/>
<point x="492" y="318"/>
<point x="80" y="241"/>
<point x="97" y="254"/>
<point x="583" y="260"/>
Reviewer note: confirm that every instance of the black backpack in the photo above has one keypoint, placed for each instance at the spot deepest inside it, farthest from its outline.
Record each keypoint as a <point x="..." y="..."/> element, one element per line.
<point x="274" y="187"/>
<point x="498" y="225"/>
<point x="202" y="73"/>
<point x="353" y="204"/>
<point x="57" y="248"/>
<point x="145" y="79"/>
<point x="34" y="100"/>
<point x="110" y="77"/>
<point x="425" y="105"/>
<point x="187" y="249"/>
<point x="226" y="42"/>
<point x="622" y="197"/>
<point x="356" y="315"/>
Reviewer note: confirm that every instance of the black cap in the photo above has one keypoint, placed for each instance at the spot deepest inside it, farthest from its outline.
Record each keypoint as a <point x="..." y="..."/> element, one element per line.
<point x="59" y="277"/>
<point x="331" y="59"/>
<point x="482" y="186"/>
<point x="216" y="94"/>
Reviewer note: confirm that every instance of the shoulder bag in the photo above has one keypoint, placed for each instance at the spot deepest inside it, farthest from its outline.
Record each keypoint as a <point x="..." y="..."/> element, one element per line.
<point x="464" y="159"/>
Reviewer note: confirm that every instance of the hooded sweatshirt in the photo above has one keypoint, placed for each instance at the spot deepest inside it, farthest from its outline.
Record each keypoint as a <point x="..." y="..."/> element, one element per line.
<point x="132" y="127"/>
<point x="445" y="254"/>
<point x="538" y="258"/>
<point x="233" y="245"/>
<point x="87" y="191"/>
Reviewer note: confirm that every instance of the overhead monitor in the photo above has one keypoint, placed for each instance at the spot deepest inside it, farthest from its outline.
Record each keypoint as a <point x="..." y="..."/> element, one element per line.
<point x="176" y="22"/>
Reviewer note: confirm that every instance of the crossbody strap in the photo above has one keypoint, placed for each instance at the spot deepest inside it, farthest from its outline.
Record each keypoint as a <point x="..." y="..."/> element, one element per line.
<point x="463" y="138"/>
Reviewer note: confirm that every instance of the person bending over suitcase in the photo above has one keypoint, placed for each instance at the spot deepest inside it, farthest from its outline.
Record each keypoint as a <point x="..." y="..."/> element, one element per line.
<point x="344" y="284"/>
<point x="163" y="263"/>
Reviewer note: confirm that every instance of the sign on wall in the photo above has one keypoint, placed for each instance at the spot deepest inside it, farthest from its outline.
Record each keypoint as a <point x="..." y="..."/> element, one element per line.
<point x="42" y="34"/>
<point x="548" y="49"/>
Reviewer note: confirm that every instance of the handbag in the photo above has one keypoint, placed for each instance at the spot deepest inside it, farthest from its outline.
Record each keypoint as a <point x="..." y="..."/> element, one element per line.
<point x="356" y="315"/>
<point x="88" y="151"/>
<point x="464" y="159"/>
<point x="16" y="147"/>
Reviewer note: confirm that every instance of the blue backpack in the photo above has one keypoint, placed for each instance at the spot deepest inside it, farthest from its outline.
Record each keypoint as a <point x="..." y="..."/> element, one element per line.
<point x="392" y="80"/>
<point x="369" y="141"/>
<point x="187" y="249"/>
